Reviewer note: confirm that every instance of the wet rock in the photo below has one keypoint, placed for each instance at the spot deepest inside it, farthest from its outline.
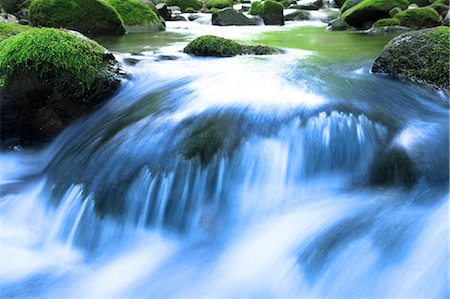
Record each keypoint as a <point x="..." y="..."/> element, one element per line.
<point x="394" y="168"/>
<point x="179" y="18"/>
<point x="164" y="11"/>
<point x="131" y="61"/>
<point x="230" y="17"/>
<point x="8" y="18"/>
<point x="298" y="15"/>
<point x="418" y="55"/>
<point x="338" y="25"/>
<point x="193" y="17"/>
<point x="315" y="5"/>
<point x="418" y="18"/>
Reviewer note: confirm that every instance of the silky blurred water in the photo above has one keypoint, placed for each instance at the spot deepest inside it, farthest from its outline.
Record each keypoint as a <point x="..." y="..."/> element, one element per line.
<point x="113" y="208"/>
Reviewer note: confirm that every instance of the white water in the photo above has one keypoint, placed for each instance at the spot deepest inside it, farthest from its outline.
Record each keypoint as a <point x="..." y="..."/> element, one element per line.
<point x="284" y="210"/>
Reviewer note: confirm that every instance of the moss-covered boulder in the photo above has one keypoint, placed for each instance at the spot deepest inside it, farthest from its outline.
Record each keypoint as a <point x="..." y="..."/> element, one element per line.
<point x="315" y="5"/>
<point x="7" y="30"/>
<point x="231" y="17"/>
<point x="298" y="15"/>
<point x="386" y="22"/>
<point x="272" y="13"/>
<point x="210" y="45"/>
<point x="418" y="55"/>
<point x="255" y="8"/>
<point x="90" y="17"/>
<point x="418" y="18"/>
<point x="137" y="16"/>
<point x="49" y="78"/>
<point x="184" y="4"/>
<point x="365" y="13"/>
<point x="219" y="4"/>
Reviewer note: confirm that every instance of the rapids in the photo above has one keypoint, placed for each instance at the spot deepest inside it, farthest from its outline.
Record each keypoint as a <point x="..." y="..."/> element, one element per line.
<point x="114" y="208"/>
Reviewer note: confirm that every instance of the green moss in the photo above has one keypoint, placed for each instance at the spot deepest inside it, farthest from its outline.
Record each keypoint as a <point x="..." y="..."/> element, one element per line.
<point x="255" y="8"/>
<point x="7" y="30"/>
<point x="133" y="12"/>
<point x="52" y="51"/>
<point x="219" y="4"/>
<point x="379" y="5"/>
<point x="184" y="4"/>
<point x="386" y="22"/>
<point x="190" y="10"/>
<point x="418" y="17"/>
<point x="205" y="142"/>
<point x="210" y="45"/>
<point x="270" y="6"/>
<point x="419" y="55"/>
<point x="90" y="17"/>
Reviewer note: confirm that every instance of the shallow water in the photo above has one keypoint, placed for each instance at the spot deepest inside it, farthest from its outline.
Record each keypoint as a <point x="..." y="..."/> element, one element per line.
<point x="284" y="208"/>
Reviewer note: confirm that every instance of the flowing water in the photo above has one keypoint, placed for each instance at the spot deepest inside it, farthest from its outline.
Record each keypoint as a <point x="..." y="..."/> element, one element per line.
<point x="243" y="177"/>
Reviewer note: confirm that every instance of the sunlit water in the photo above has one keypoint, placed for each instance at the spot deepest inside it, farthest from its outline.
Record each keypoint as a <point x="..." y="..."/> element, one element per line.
<point x="113" y="209"/>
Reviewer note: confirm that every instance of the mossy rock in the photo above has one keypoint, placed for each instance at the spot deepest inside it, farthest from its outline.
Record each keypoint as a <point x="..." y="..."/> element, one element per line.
<point x="90" y="17"/>
<point x="184" y="4"/>
<point x="418" y="55"/>
<point x="386" y="22"/>
<point x="7" y="30"/>
<point x="364" y="14"/>
<point x="255" y="8"/>
<point x="136" y="15"/>
<point x="210" y="45"/>
<point x="441" y="8"/>
<point x="418" y="18"/>
<point x="49" y="78"/>
<point x="298" y="15"/>
<point x="190" y="10"/>
<point x="219" y="4"/>
<point x="272" y="13"/>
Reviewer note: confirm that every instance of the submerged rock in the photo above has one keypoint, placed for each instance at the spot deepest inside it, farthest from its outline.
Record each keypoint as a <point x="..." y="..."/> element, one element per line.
<point x="90" y="17"/>
<point x="49" y="78"/>
<point x="210" y="45"/>
<point x="362" y="14"/>
<point x="418" y="55"/>
<point x="394" y="167"/>
<point x="230" y="17"/>
<point x="298" y="15"/>
<point x="137" y="16"/>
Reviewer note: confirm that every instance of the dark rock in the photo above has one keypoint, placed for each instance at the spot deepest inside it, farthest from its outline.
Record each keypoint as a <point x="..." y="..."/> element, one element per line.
<point x="193" y="17"/>
<point x="230" y="17"/>
<point x="316" y="5"/>
<point x="298" y="15"/>
<point x="394" y="168"/>
<point x="131" y="61"/>
<point x="179" y="18"/>
<point x="338" y="25"/>
<point x="164" y="11"/>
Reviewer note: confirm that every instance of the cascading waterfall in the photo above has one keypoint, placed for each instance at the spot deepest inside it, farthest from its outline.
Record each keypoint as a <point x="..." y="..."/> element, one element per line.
<point x="118" y="206"/>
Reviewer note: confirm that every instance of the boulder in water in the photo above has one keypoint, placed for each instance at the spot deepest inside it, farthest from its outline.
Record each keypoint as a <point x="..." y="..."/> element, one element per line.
<point x="418" y="55"/>
<point x="364" y="13"/>
<point x="272" y="13"/>
<point x="418" y="18"/>
<point x="184" y="4"/>
<point x="230" y="17"/>
<point x="137" y="16"/>
<point x="210" y="45"/>
<point x="90" y="17"/>
<point x="386" y="22"/>
<point x="298" y="15"/>
<point x="315" y="5"/>
<point x="394" y="168"/>
<point x="338" y="25"/>
<point x="49" y="78"/>
<point x="164" y="11"/>
<point x="219" y="4"/>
